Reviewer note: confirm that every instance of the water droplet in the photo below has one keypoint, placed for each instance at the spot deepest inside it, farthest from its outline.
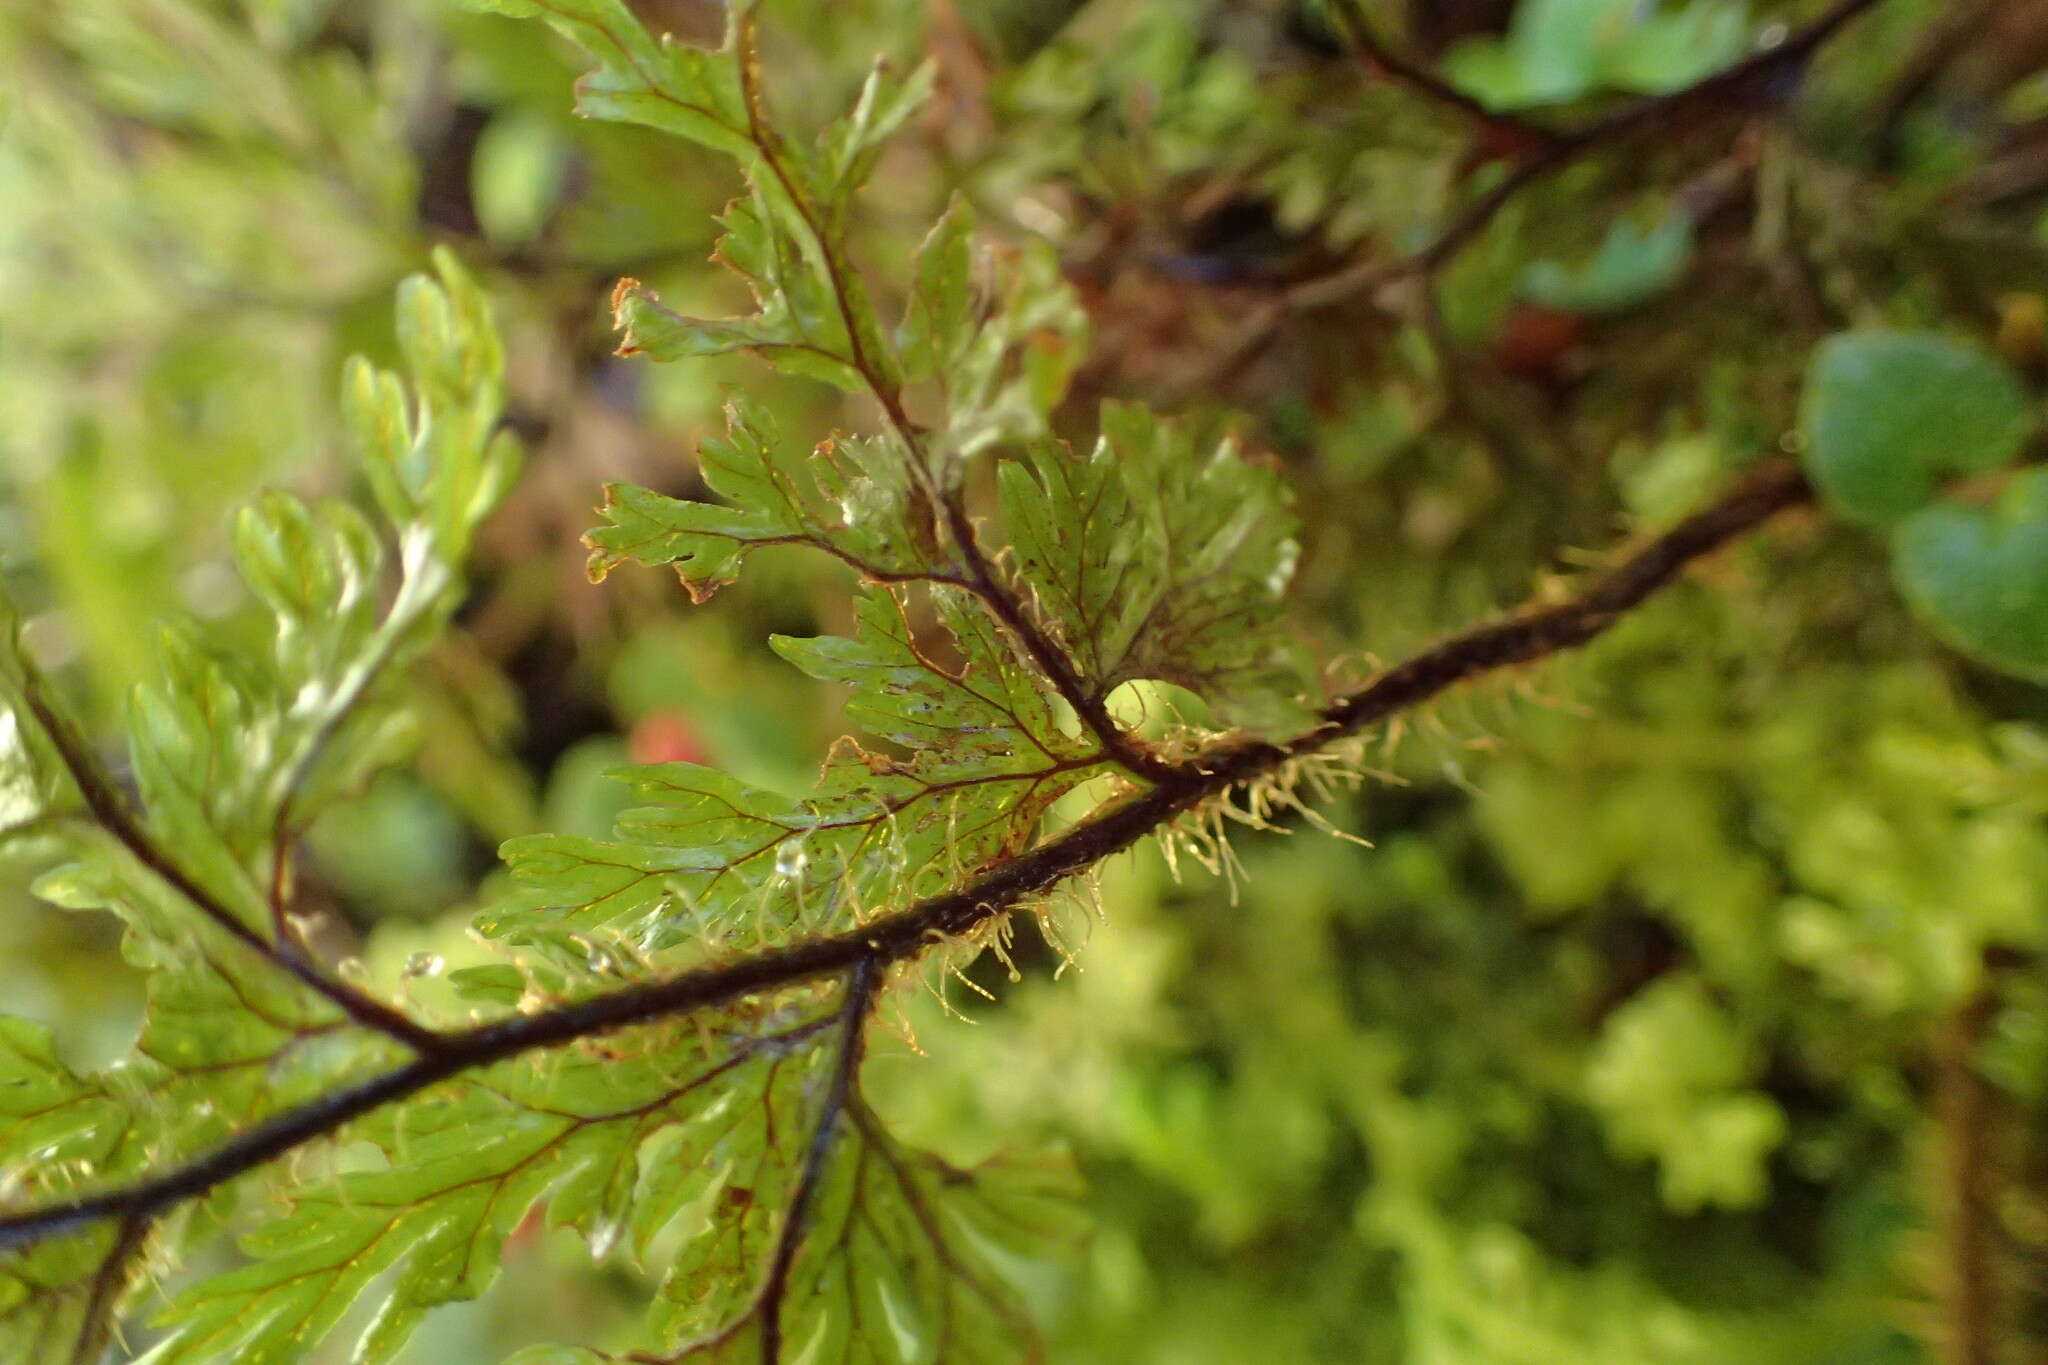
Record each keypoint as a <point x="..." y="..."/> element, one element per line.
<point x="1283" y="568"/>
<point x="603" y="1237"/>
<point x="865" y="500"/>
<point x="602" y="961"/>
<point x="790" y="860"/>
<point x="352" y="969"/>
<point x="424" y="964"/>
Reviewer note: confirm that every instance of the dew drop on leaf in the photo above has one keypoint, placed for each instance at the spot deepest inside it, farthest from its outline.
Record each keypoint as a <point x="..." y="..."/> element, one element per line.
<point x="1283" y="568"/>
<point x="790" y="860"/>
<point x="424" y="964"/>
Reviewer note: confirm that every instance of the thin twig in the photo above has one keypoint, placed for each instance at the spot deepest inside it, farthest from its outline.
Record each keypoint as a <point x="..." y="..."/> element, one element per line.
<point x="860" y="998"/>
<point x="1518" y="132"/>
<point x="108" y="807"/>
<point x="908" y="934"/>
<point x="1735" y="86"/>
<point x="1965" y="1192"/>
<point x="765" y="1305"/>
<point x="104" y="1297"/>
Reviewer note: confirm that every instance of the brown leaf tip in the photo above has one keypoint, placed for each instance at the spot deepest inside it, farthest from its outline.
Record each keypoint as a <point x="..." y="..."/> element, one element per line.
<point x="623" y="290"/>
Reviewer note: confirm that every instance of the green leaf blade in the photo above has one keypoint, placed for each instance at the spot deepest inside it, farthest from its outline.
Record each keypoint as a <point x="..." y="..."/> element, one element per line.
<point x="1979" y="577"/>
<point x="1886" y="415"/>
<point x="1157" y="557"/>
<point x="850" y="498"/>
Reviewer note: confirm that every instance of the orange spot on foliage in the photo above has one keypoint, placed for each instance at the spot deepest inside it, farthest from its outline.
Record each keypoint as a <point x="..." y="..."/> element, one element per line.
<point x="666" y="736"/>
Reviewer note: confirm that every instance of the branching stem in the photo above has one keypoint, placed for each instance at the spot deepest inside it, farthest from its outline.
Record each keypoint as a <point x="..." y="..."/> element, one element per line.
<point x="103" y="800"/>
<point x="907" y="934"/>
<point x="1752" y="80"/>
<point x="1746" y="82"/>
<point x="980" y="577"/>
<point x="1357" y="32"/>
<point x="1051" y="661"/>
<point x="860" y="999"/>
<point x="96" y="1322"/>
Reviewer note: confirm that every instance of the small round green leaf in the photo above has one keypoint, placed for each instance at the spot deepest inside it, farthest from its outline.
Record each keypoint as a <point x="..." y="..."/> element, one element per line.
<point x="1979" y="578"/>
<point x="1887" y="414"/>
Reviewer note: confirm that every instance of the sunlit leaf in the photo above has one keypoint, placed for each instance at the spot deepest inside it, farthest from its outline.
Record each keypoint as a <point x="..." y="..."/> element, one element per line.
<point x="849" y="498"/>
<point x="1159" y="556"/>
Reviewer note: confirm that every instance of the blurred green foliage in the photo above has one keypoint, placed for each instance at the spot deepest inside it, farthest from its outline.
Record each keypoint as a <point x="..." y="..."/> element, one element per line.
<point x="1636" y="1034"/>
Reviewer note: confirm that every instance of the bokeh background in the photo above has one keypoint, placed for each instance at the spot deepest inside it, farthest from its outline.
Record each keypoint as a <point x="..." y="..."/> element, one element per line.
<point x="1689" y="1004"/>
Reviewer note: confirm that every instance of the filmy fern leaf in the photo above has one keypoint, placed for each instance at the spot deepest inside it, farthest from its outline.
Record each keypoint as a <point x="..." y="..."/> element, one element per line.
<point x="1156" y="558"/>
<point x="234" y="751"/>
<point x="465" y="1167"/>
<point x="721" y="1147"/>
<point x="850" y="498"/>
<point x="712" y="859"/>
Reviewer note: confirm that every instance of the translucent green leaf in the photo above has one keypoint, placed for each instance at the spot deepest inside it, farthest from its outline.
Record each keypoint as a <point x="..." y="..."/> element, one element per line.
<point x="815" y="317"/>
<point x="713" y="862"/>
<point x="905" y="1259"/>
<point x="573" y="883"/>
<point x="234" y="750"/>
<point x="234" y="745"/>
<point x="1979" y="577"/>
<point x="711" y="859"/>
<point x="215" y="1054"/>
<point x="464" y="1167"/>
<point x="50" y="1119"/>
<point x="943" y="295"/>
<point x="1000" y="331"/>
<point x="221" y="1044"/>
<point x="849" y="498"/>
<point x="812" y="319"/>
<point x="499" y="984"/>
<point x="45" y="1294"/>
<point x="439" y="460"/>
<point x="639" y="79"/>
<point x="1887" y="414"/>
<point x="1159" y="556"/>
<point x="848" y="149"/>
<point x="985" y="716"/>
